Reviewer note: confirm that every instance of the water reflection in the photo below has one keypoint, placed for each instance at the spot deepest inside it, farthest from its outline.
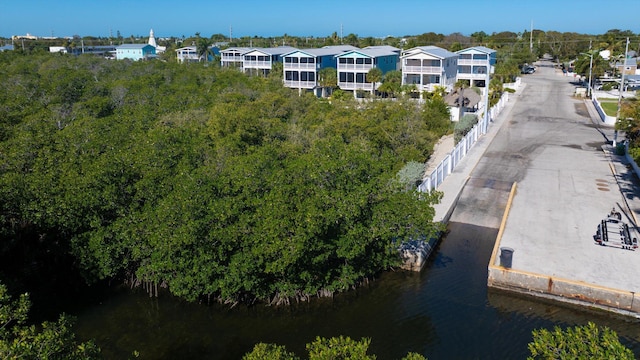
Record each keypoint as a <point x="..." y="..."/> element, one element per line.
<point x="443" y="312"/>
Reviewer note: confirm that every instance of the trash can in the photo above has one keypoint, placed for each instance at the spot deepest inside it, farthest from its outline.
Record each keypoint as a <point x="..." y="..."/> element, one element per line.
<point x="506" y="256"/>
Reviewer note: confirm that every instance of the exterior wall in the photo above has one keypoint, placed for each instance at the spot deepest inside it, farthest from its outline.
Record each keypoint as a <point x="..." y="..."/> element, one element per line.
<point x="475" y="63"/>
<point x="187" y="54"/>
<point x="135" y="53"/>
<point x="300" y="70"/>
<point x="352" y="71"/>
<point x="428" y="71"/>
<point x="232" y="58"/>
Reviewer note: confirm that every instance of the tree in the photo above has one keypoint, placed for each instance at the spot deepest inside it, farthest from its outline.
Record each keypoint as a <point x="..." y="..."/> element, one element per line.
<point x="328" y="79"/>
<point x="391" y="83"/>
<point x="579" y="342"/>
<point x="374" y="76"/>
<point x="203" y="47"/>
<point x="264" y="351"/>
<point x="335" y="348"/>
<point x="54" y="340"/>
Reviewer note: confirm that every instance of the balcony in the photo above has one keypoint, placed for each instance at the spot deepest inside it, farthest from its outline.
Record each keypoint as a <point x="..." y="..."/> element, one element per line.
<point x="355" y="86"/>
<point x="472" y="62"/>
<point x="298" y="84"/>
<point x="359" y="67"/>
<point x="299" y="66"/>
<point x="471" y="76"/>
<point x="435" y="70"/>
<point x="255" y="64"/>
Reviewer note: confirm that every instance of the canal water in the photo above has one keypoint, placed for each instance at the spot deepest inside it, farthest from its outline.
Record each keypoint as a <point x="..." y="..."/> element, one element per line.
<point x="444" y="312"/>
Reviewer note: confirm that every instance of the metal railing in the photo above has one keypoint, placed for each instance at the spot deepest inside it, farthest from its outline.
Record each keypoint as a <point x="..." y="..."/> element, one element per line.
<point x="299" y="66"/>
<point x="296" y="84"/>
<point x="473" y="62"/>
<point x="433" y="70"/>
<point x="355" y="67"/>
<point x="449" y="163"/>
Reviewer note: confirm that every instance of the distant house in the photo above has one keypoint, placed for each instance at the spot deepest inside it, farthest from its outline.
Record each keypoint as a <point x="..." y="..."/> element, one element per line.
<point x="474" y="64"/>
<point x="135" y="51"/>
<point x="629" y="66"/>
<point x="108" y="51"/>
<point x="190" y="54"/>
<point x="6" y="48"/>
<point x="428" y="67"/>
<point x="232" y="57"/>
<point x="354" y="65"/>
<point x="261" y="60"/>
<point x="187" y="54"/>
<point x="58" y="49"/>
<point x="301" y="67"/>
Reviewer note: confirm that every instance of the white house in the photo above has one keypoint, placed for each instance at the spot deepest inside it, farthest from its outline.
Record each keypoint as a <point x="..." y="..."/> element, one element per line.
<point x="474" y="64"/>
<point x="260" y="60"/>
<point x="354" y="65"/>
<point x="428" y="67"/>
<point x="232" y="57"/>
<point x="301" y="67"/>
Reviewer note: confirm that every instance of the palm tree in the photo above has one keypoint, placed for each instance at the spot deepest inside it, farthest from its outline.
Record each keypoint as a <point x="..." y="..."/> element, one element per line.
<point x="203" y="47"/>
<point x="327" y="78"/>
<point x="374" y="76"/>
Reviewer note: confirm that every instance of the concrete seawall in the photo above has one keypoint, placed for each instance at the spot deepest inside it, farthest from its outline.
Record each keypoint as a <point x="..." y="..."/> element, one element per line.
<point x="556" y="288"/>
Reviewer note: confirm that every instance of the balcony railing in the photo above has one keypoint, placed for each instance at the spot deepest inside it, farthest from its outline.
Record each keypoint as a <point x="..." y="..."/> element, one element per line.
<point x="365" y="67"/>
<point x="471" y="76"/>
<point x="256" y="64"/>
<point x="298" y="84"/>
<point x="436" y="70"/>
<point x="355" y="86"/>
<point x="299" y="66"/>
<point x="472" y="62"/>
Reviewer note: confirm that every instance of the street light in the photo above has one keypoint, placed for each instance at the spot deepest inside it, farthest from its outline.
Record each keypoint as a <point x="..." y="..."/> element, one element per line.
<point x="589" y="90"/>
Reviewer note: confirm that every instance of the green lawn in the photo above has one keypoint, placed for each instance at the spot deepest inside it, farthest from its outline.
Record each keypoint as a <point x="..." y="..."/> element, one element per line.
<point x="610" y="107"/>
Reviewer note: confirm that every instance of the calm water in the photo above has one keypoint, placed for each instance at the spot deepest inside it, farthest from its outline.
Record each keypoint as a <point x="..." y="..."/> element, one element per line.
<point x="444" y="312"/>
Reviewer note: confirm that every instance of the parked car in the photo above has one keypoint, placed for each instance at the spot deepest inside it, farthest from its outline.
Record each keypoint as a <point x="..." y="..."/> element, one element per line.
<point x="528" y="69"/>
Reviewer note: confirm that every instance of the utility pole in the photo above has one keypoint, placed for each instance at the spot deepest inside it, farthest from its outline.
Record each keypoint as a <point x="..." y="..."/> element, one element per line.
<point x="590" y="70"/>
<point x="531" y="38"/>
<point x="621" y="88"/>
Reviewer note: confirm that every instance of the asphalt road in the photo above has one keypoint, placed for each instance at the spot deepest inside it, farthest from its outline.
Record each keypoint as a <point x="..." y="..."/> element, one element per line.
<point x="546" y="116"/>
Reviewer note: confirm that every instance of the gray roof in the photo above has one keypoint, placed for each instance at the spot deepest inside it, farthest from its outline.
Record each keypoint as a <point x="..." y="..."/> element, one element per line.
<point x="324" y="51"/>
<point x="374" y="53"/>
<point x="432" y="50"/>
<point x="274" y="50"/>
<point x="383" y="47"/>
<point x="6" y="47"/>
<point x="241" y="50"/>
<point x="481" y="49"/>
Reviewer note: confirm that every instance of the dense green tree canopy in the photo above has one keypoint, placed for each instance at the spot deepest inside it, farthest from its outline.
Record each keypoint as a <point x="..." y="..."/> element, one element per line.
<point x="579" y="342"/>
<point x="205" y="180"/>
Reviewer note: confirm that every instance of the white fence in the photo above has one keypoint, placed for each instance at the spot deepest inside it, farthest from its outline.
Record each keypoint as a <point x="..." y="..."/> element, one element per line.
<point x="437" y="176"/>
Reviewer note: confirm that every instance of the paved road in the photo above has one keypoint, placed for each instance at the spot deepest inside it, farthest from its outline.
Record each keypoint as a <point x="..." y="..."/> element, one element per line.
<point x="549" y="144"/>
<point x="545" y="119"/>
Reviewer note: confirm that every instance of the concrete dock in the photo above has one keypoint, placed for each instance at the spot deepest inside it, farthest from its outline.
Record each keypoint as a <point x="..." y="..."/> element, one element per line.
<point x="568" y="179"/>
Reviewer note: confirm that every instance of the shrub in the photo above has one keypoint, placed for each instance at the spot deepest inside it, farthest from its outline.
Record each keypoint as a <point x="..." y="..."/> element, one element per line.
<point x="464" y="126"/>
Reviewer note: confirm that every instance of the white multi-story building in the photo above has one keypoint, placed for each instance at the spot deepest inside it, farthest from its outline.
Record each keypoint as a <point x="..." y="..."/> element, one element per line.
<point x="474" y="64"/>
<point x="261" y="60"/>
<point x="301" y="67"/>
<point x="428" y="67"/>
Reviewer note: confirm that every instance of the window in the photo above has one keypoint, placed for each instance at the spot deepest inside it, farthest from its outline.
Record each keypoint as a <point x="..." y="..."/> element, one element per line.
<point x="360" y="78"/>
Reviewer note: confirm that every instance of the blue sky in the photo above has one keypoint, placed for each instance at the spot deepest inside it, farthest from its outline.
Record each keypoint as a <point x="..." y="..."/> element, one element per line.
<point x="312" y="18"/>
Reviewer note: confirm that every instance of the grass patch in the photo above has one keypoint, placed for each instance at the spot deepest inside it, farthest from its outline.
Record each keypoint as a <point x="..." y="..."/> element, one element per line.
<point x="610" y="107"/>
